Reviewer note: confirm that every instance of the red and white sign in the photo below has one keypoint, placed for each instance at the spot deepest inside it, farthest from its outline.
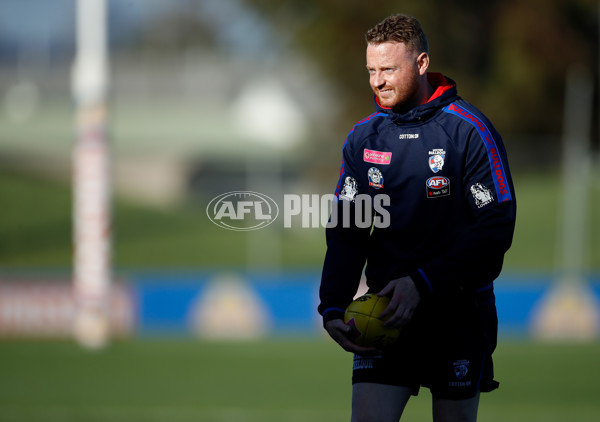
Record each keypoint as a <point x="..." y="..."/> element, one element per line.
<point x="46" y="308"/>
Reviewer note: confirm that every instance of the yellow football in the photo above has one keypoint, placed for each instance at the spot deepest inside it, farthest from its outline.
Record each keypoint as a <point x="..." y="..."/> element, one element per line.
<point x="367" y="328"/>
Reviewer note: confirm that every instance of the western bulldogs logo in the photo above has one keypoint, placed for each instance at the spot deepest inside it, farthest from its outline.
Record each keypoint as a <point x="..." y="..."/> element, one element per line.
<point x="375" y="178"/>
<point x="436" y="159"/>
<point x="461" y="368"/>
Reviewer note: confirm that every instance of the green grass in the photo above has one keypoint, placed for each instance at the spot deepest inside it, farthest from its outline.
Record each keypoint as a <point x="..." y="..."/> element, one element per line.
<point x="35" y="231"/>
<point x="534" y="242"/>
<point x="539" y="203"/>
<point x="35" y="228"/>
<point x="275" y="380"/>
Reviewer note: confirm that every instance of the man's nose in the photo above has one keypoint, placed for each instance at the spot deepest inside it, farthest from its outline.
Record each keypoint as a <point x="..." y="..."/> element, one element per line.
<point x="378" y="80"/>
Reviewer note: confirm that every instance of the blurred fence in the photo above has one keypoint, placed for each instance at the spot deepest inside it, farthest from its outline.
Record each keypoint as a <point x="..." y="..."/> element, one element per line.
<point x="225" y="305"/>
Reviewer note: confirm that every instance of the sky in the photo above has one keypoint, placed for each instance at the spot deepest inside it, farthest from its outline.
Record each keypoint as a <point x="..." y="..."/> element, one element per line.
<point x="38" y="24"/>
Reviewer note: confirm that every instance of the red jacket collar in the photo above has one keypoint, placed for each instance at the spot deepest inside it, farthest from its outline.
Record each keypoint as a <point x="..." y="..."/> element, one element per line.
<point x="439" y="83"/>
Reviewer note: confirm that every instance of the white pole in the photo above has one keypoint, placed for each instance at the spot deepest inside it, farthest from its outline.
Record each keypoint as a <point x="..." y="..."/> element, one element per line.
<point x="576" y="171"/>
<point x="91" y="177"/>
<point x="569" y="310"/>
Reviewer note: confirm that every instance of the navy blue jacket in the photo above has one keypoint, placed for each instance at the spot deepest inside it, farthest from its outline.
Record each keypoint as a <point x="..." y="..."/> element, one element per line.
<point x="451" y="209"/>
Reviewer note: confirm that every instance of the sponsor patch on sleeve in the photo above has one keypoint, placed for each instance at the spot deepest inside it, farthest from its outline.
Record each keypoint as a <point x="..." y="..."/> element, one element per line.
<point x="482" y="195"/>
<point x="349" y="190"/>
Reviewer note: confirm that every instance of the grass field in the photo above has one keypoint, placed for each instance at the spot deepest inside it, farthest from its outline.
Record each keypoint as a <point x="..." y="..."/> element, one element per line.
<point x="268" y="381"/>
<point x="35" y="229"/>
<point x="158" y="380"/>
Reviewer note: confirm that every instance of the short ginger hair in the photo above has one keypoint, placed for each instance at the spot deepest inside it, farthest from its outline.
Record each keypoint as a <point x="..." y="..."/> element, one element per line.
<point x="399" y="28"/>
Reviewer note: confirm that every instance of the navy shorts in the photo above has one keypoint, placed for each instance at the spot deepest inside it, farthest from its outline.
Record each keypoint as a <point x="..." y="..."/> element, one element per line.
<point x="447" y="347"/>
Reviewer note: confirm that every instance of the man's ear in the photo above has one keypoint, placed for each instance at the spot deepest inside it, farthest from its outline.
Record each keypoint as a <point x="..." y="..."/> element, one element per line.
<point x="423" y="63"/>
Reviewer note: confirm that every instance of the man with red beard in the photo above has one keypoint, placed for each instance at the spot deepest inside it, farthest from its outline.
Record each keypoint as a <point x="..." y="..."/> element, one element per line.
<point x="452" y="213"/>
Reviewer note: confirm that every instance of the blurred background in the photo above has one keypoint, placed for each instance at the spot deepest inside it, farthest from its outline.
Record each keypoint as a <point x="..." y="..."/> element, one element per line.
<point x="211" y="96"/>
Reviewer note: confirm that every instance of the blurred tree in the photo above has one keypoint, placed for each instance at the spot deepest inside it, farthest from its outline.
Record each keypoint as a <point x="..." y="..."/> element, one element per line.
<point x="508" y="57"/>
<point x="179" y="30"/>
<point x="534" y="43"/>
